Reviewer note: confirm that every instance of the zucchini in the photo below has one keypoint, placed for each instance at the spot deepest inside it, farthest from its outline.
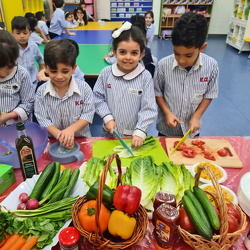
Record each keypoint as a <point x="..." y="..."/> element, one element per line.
<point x="198" y="207"/>
<point x="195" y="217"/>
<point x="208" y="207"/>
<point x="52" y="182"/>
<point x="72" y="181"/>
<point x="43" y="181"/>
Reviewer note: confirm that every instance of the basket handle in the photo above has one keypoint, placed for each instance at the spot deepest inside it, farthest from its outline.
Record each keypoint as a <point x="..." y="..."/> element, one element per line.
<point x="221" y="204"/>
<point x="101" y="186"/>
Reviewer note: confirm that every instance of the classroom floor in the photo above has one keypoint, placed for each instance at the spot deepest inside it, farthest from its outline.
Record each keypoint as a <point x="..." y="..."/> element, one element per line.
<point x="228" y="115"/>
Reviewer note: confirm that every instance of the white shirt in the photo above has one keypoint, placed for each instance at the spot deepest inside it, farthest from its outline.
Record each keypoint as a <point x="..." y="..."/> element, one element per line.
<point x="43" y="27"/>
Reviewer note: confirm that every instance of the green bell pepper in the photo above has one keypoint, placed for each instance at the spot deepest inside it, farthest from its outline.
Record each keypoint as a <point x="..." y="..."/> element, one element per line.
<point x="107" y="194"/>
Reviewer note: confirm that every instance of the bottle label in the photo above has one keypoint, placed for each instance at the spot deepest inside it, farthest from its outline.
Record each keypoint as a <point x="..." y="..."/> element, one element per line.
<point x="162" y="231"/>
<point x="27" y="160"/>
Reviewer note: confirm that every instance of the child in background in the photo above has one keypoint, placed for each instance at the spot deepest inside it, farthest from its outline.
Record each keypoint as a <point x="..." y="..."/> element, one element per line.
<point x="70" y="20"/>
<point x="28" y="50"/>
<point x="124" y="92"/>
<point x="71" y="98"/>
<point x="17" y="97"/>
<point x="187" y="81"/>
<point x="150" y="27"/>
<point x="58" y="22"/>
<point x="83" y="5"/>
<point x="40" y="17"/>
<point x="80" y="16"/>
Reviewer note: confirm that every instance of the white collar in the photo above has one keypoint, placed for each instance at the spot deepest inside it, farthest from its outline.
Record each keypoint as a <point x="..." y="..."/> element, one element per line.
<point x="197" y="64"/>
<point x="72" y="88"/>
<point x="10" y="76"/>
<point x="130" y="75"/>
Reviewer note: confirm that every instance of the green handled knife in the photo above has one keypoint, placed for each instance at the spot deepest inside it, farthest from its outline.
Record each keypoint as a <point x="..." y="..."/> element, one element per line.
<point x="124" y="144"/>
<point x="184" y="138"/>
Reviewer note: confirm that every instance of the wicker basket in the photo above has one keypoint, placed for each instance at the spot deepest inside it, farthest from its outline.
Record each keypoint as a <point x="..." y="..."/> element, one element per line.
<point x="224" y="240"/>
<point x="104" y="240"/>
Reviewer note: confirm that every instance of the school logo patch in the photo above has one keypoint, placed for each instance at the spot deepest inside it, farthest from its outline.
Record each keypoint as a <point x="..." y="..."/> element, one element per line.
<point x="109" y="86"/>
<point x="204" y="79"/>
<point x="138" y="92"/>
<point x="77" y="103"/>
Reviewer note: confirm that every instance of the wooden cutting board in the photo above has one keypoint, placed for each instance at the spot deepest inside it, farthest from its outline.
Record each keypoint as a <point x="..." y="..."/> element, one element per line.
<point x="212" y="145"/>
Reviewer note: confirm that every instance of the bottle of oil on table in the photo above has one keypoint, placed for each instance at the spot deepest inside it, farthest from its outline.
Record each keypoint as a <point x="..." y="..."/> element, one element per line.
<point x="26" y="153"/>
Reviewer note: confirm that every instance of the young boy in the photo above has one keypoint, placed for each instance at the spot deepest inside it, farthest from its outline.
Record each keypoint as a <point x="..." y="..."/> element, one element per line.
<point x="58" y="23"/>
<point x="185" y="82"/>
<point x="28" y="50"/>
<point x="71" y="98"/>
<point x="83" y="5"/>
<point x="42" y="23"/>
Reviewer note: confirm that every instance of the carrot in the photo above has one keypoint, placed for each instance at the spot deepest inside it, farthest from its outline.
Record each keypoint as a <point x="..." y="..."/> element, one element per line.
<point x="29" y="243"/>
<point x="4" y="241"/>
<point x="18" y="244"/>
<point x="10" y="242"/>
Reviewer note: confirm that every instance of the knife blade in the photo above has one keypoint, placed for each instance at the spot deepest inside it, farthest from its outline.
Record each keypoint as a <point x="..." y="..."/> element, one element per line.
<point x="184" y="138"/>
<point x="124" y="144"/>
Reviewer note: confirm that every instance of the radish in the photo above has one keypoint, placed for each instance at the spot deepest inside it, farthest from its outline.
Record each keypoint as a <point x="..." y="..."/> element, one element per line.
<point x="32" y="204"/>
<point x="21" y="206"/>
<point x="23" y="197"/>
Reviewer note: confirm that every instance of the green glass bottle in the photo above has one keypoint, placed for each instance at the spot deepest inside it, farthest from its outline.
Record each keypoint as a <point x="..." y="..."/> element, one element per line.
<point x="26" y="152"/>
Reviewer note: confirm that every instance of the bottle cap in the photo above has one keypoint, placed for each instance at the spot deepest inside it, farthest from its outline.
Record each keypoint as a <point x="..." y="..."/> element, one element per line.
<point x="20" y="126"/>
<point x="69" y="236"/>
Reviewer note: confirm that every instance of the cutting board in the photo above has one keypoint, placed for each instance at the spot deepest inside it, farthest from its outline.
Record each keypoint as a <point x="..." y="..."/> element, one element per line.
<point x="212" y="145"/>
<point x="104" y="147"/>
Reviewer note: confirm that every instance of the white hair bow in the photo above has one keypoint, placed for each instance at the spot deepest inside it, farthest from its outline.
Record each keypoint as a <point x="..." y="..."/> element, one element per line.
<point x="125" y="26"/>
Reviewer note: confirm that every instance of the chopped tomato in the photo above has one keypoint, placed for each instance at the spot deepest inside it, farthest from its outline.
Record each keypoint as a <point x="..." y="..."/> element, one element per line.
<point x="208" y="155"/>
<point x="180" y="148"/>
<point x="198" y="142"/>
<point x="222" y="152"/>
<point x="189" y="152"/>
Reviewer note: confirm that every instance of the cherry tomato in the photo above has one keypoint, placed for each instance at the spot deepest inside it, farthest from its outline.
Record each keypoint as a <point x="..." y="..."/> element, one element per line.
<point x="180" y="148"/>
<point x="189" y="152"/>
<point x="232" y="223"/>
<point x="185" y="222"/>
<point x="222" y="152"/>
<point x="234" y="211"/>
<point x="208" y="155"/>
<point x="198" y="142"/>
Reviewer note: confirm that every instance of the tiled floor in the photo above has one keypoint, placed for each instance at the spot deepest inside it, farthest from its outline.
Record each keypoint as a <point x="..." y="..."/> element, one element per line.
<point x="229" y="115"/>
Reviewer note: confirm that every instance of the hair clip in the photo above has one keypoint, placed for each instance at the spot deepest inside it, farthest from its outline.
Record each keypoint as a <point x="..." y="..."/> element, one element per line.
<point x="125" y="26"/>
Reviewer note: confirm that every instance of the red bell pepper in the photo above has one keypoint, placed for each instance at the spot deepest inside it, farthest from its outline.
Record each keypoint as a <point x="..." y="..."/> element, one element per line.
<point x="127" y="199"/>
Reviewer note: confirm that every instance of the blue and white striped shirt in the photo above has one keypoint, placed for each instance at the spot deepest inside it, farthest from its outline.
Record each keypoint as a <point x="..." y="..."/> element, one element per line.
<point x="58" y="22"/>
<point x="150" y="34"/>
<point x="127" y="98"/>
<point x="78" y="103"/>
<point x="184" y="90"/>
<point x="16" y="94"/>
<point x="43" y="27"/>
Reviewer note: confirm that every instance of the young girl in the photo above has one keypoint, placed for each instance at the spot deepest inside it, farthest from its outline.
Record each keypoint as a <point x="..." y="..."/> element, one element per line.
<point x="17" y="98"/>
<point x="70" y="20"/>
<point x="150" y="27"/>
<point x="124" y="92"/>
<point x="80" y="16"/>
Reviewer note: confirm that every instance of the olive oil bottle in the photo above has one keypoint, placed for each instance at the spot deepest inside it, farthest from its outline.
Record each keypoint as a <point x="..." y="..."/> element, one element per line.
<point x="26" y="153"/>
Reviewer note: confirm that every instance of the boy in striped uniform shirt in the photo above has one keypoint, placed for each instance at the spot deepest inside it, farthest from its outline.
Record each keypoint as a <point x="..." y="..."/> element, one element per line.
<point x="187" y="81"/>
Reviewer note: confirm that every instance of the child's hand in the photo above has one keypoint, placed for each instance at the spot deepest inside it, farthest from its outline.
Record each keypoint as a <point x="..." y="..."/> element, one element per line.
<point x="3" y="118"/>
<point x="110" y="126"/>
<point x="171" y="120"/>
<point x="194" y="124"/>
<point x="136" y="141"/>
<point x="41" y="76"/>
<point x="72" y="33"/>
<point x="66" y="138"/>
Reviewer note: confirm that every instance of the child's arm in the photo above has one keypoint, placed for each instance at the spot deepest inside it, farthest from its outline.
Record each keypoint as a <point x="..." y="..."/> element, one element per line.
<point x="4" y="117"/>
<point x="69" y="33"/>
<point x="39" y="31"/>
<point x="194" y="123"/>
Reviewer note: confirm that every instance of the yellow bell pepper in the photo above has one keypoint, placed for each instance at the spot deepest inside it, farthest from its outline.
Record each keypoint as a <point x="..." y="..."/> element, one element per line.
<point x="120" y="224"/>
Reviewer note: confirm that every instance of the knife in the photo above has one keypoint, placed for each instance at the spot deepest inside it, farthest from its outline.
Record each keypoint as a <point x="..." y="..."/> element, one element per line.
<point x="184" y="138"/>
<point x="124" y="144"/>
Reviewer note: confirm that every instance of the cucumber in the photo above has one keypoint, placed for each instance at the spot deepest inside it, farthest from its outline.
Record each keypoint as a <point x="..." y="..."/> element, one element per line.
<point x="72" y="181"/>
<point x="208" y="207"/>
<point x="198" y="207"/>
<point x="195" y="217"/>
<point x="52" y="182"/>
<point x="43" y="181"/>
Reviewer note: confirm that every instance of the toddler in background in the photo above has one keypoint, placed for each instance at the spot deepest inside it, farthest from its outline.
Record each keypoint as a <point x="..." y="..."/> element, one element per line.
<point x="70" y="20"/>
<point x="42" y="25"/>
<point x="83" y="5"/>
<point x="17" y="96"/>
<point x="150" y="27"/>
<point x="80" y="16"/>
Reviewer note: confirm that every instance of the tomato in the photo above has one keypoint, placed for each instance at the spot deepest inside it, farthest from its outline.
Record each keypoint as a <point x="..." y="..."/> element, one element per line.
<point x="208" y="155"/>
<point x="232" y="223"/>
<point x="222" y="152"/>
<point x="189" y="152"/>
<point x="185" y="222"/>
<point x="234" y="211"/>
<point x="198" y="142"/>
<point x="181" y="147"/>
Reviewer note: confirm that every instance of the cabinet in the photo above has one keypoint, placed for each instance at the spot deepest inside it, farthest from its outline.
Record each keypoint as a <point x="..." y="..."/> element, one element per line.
<point x="239" y="27"/>
<point x="122" y="10"/>
<point x="171" y="10"/>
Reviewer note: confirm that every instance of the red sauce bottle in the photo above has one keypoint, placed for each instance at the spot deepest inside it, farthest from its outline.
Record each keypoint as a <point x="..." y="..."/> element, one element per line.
<point x="163" y="197"/>
<point x="166" y="219"/>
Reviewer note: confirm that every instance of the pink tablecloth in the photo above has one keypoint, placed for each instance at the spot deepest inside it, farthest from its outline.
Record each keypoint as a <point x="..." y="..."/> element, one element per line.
<point x="240" y="144"/>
